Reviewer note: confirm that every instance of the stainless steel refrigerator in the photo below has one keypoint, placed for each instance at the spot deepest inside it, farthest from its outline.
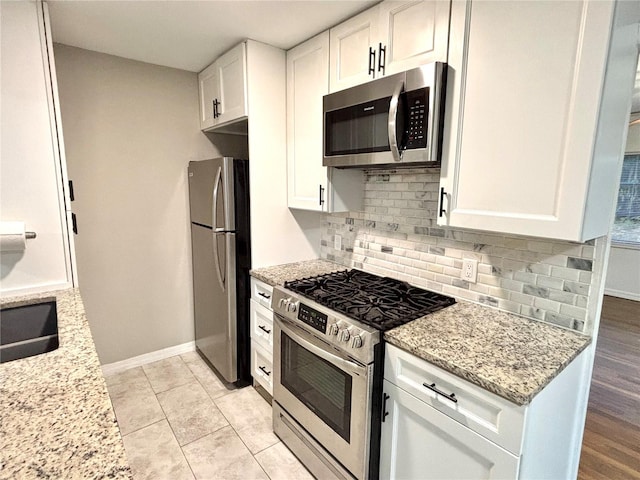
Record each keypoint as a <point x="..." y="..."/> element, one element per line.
<point x="220" y="239"/>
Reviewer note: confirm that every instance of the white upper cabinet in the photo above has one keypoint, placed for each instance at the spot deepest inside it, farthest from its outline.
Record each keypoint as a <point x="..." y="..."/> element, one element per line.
<point x="415" y="33"/>
<point x="391" y="37"/>
<point x="354" y="50"/>
<point x="223" y="89"/>
<point x="208" y="89"/>
<point x="310" y="185"/>
<point x="307" y="82"/>
<point x="525" y="140"/>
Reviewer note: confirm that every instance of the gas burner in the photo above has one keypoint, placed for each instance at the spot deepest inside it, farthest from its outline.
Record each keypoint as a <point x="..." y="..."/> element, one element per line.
<point x="380" y="302"/>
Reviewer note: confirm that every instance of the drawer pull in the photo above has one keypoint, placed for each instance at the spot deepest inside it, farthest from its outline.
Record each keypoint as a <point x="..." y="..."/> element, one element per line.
<point x="384" y="407"/>
<point x="264" y="295"/>
<point x="266" y="330"/>
<point x="264" y="370"/>
<point x="433" y="388"/>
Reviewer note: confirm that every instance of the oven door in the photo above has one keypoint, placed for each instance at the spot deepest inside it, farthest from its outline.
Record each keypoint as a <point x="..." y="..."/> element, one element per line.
<point x="327" y="393"/>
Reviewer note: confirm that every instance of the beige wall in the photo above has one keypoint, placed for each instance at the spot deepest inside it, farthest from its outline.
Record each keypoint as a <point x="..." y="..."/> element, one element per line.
<point x="130" y="128"/>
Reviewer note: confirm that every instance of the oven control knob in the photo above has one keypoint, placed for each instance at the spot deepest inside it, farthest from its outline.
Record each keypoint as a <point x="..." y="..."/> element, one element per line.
<point x="332" y="329"/>
<point x="356" y="341"/>
<point x="344" y="335"/>
<point x="292" y="306"/>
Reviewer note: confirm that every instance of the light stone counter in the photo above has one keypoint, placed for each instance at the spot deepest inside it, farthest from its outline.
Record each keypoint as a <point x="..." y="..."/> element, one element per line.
<point x="56" y="419"/>
<point x="511" y="356"/>
<point x="279" y="274"/>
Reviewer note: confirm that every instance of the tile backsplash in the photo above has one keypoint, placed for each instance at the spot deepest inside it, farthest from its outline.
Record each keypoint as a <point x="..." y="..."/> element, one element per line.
<point x="396" y="235"/>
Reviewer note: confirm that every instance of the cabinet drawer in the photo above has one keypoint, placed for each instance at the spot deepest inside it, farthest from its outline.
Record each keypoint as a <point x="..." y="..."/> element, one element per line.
<point x="261" y="325"/>
<point x="491" y="416"/>
<point x="262" y="367"/>
<point x="420" y="442"/>
<point x="261" y="292"/>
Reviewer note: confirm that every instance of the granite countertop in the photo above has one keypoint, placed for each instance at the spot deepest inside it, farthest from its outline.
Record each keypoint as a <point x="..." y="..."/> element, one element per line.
<point x="279" y="274"/>
<point x="56" y="419"/>
<point x="506" y="354"/>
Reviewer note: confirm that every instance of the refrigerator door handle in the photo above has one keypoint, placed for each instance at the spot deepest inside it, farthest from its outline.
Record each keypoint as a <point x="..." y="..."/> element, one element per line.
<point x="214" y="203"/>
<point x="216" y="258"/>
<point x="217" y="230"/>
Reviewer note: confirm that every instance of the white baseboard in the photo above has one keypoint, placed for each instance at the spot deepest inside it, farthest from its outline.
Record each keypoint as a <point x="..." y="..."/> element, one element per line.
<point x="121" y="366"/>
<point x="622" y="294"/>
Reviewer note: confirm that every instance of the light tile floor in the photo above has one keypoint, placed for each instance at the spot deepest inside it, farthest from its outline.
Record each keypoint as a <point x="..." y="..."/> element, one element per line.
<point x="179" y="421"/>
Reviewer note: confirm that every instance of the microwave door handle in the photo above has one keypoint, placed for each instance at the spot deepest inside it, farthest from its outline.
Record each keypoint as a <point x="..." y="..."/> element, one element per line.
<point x="393" y="119"/>
<point x="320" y="352"/>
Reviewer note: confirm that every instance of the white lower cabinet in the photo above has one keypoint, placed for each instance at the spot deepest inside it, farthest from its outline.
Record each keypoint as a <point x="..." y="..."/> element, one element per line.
<point x="420" y="442"/>
<point x="262" y="367"/>
<point x="437" y="425"/>
<point x="261" y="334"/>
<point x="261" y="325"/>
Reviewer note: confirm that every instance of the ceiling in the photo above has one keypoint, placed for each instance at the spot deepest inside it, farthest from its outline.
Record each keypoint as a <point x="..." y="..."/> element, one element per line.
<point x="187" y="34"/>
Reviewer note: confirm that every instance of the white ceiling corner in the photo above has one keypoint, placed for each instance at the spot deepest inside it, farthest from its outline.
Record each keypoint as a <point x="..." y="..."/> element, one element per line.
<point x="188" y="34"/>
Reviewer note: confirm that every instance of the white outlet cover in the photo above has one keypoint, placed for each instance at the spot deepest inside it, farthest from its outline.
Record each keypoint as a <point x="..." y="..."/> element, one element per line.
<point x="337" y="242"/>
<point x="469" y="270"/>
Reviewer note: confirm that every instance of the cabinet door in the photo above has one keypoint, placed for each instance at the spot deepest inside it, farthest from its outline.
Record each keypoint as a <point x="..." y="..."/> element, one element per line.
<point x="232" y="85"/>
<point x="419" y="442"/>
<point x="413" y="33"/>
<point x="261" y="325"/>
<point x="524" y="90"/>
<point x="307" y="82"/>
<point x="31" y="183"/>
<point x="262" y="367"/>
<point x="208" y="90"/>
<point x="350" y="45"/>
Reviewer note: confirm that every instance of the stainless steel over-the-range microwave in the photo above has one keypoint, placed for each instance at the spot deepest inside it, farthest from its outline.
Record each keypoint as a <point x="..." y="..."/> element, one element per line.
<point x="392" y="121"/>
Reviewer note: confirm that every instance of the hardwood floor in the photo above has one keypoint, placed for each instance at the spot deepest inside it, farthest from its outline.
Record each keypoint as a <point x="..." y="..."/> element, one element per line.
<point x="611" y="444"/>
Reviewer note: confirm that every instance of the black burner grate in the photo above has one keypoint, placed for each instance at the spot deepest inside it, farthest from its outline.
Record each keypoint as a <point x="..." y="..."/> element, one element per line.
<point x="380" y="302"/>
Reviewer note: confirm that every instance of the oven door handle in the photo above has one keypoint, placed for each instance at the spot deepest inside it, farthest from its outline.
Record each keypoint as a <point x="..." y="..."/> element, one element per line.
<point x="340" y="362"/>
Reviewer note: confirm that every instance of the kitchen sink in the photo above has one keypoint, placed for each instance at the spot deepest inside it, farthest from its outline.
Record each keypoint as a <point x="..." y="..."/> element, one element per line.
<point x="28" y="330"/>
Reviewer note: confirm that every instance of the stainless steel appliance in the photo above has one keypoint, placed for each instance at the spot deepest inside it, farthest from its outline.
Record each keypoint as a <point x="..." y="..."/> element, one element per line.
<point x="220" y="239"/>
<point x="393" y="121"/>
<point x="327" y="361"/>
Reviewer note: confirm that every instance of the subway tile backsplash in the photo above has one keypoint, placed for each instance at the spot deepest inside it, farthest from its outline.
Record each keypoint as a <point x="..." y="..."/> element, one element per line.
<point x="396" y="235"/>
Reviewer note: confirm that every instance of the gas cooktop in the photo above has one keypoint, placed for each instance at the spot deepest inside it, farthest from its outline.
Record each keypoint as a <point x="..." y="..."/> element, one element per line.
<point x="380" y="302"/>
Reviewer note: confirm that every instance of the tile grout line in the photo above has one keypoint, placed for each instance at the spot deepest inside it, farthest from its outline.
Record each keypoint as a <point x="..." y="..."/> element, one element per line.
<point x="226" y="419"/>
<point x="233" y="428"/>
<point x="213" y="401"/>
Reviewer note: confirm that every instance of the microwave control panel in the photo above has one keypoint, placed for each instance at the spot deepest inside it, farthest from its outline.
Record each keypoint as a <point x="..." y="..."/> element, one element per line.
<point x="417" y="114"/>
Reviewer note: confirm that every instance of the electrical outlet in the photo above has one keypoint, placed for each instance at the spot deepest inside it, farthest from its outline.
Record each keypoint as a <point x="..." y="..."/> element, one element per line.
<point x="469" y="270"/>
<point x="337" y="242"/>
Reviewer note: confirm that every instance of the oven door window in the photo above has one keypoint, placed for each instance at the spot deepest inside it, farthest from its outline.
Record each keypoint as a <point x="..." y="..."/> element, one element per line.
<point x="324" y="388"/>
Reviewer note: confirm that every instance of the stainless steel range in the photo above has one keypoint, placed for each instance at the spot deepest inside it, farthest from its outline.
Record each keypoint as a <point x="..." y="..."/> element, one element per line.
<point x="328" y="359"/>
